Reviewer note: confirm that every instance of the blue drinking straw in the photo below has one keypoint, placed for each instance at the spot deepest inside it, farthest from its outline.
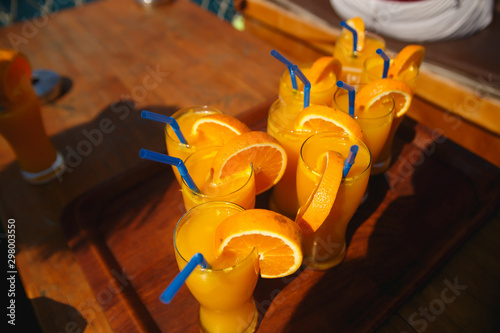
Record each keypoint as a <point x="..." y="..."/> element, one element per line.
<point x="162" y="158"/>
<point x="352" y="95"/>
<point x="167" y="120"/>
<point x="387" y="61"/>
<point x="176" y="284"/>
<point x="307" y="85"/>
<point x="288" y="64"/>
<point x="354" y="37"/>
<point x="350" y="160"/>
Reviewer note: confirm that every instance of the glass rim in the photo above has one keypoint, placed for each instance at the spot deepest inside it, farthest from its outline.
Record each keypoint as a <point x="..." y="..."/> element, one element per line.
<point x="288" y="85"/>
<point x="203" y="206"/>
<point x="343" y="91"/>
<point x="369" y="34"/>
<point x="204" y="196"/>
<point x="379" y="59"/>
<point x="349" y="179"/>
<point x="281" y="128"/>
<point x="196" y="108"/>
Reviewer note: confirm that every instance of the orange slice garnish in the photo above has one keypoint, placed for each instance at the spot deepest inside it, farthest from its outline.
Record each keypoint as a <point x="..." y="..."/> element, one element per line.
<point x="345" y="37"/>
<point x="266" y="154"/>
<point x="373" y="93"/>
<point x="410" y="56"/>
<point x="319" y="118"/>
<point x="276" y="238"/>
<point x="319" y="204"/>
<point x="322" y="67"/>
<point x="218" y="128"/>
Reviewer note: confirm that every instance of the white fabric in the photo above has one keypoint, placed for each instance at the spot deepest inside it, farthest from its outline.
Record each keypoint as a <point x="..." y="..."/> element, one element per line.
<point x="419" y="21"/>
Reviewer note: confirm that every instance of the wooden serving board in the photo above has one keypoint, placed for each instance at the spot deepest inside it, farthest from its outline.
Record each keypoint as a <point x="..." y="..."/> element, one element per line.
<point x="416" y="215"/>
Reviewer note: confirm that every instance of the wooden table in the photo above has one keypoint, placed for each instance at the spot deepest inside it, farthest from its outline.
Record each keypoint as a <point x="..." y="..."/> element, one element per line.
<point x="118" y="58"/>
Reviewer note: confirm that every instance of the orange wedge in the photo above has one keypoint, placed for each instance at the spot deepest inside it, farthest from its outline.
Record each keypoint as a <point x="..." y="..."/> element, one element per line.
<point x="276" y="238"/>
<point x="319" y="204"/>
<point x="218" y="128"/>
<point x="319" y="118"/>
<point x="410" y="56"/>
<point x="265" y="153"/>
<point x="374" y="91"/>
<point x="345" y="36"/>
<point x="322" y="67"/>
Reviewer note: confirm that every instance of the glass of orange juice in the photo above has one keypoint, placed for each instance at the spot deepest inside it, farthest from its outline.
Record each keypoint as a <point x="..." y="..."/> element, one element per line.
<point x="238" y="188"/>
<point x="225" y="290"/>
<point x="375" y="124"/>
<point x="352" y="64"/>
<point x="320" y="93"/>
<point x="21" y="121"/>
<point x="372" y="70"/>
<point x="185" y="119"/>
<point x="326" y="247"/>
<point x="280" y="124"/>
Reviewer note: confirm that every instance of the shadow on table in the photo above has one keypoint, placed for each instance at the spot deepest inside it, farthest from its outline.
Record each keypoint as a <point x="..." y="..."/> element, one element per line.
<point x="64" y="318"/>
<point x="91" y="150"/>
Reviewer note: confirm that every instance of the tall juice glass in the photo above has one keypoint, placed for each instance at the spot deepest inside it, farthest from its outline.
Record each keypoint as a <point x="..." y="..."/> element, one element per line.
<point x="225" y="292"/>
<point x="280" y="124"/>
<point x="321" y="93"/>
<point x="185" y="118"/>
<point x="375" y="124"/>
<point x="372" y="70"/>
<point x="238" y="189"/>
<point x="326" y="247"/>
<point x="352" y="64"/>
<point x="21" y="121"/>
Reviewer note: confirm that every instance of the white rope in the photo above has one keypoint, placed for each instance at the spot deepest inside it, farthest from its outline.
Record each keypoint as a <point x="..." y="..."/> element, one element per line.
<point x="419" y="21"/>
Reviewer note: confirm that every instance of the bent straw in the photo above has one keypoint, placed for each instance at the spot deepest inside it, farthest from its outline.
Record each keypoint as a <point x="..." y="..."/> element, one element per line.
<point x="387" y="61"/>
<point x="162" y="158"/>
<point x="350" y="160"/>
<point x="354" y="37"/>
<point x="288" y="64"/>
<point x="176" y="284"/>
<point x="167" y="120"/>
<point x="307" y="85"/>
<point x="352" y="95"/>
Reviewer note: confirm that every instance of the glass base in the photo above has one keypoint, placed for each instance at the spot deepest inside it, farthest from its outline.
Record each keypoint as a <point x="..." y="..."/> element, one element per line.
<point x="55" y="170"/>
<point x="234" y="320"/>
<point x="382" y="166"/>
<point x="312" y="264"/>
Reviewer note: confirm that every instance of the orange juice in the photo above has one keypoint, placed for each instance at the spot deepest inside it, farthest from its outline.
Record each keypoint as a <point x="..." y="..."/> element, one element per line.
<point x="375" y="124"/>
<point x="185" y="118"/>
<point x="225" y="291"/>
<point x="372" y="70"/>
<point x="352" y="65"/>
<point x="320" y="93"/>
<point x="280" y="125"/>
<point x="21" y="121"/>
<point x="239" y="189"/>
<point x="326" y="247"/>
